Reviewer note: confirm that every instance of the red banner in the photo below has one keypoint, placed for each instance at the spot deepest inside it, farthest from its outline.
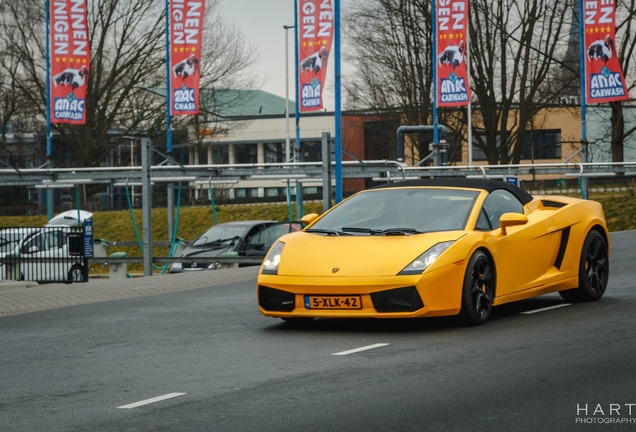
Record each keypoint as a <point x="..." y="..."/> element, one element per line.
<point x="603" y="75"/>
<point x="451" y="24"/>
<point x="186" y="30"/>
<point x="70" y="61"/>
<point x="315" y="28"/>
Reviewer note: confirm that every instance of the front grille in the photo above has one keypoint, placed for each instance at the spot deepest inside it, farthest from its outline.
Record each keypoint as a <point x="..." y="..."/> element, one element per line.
<point x="397" y="300"/>
<point x="275" y="300"/>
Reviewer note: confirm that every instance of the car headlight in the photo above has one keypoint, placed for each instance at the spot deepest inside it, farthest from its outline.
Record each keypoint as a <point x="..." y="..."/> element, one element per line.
<point x="271" y="261"/>
<point x="177" y="266"/>
<point x="423" y="261"/>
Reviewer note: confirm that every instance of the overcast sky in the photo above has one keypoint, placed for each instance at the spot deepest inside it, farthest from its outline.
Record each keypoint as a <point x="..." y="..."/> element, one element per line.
<point x="261" y="22"/>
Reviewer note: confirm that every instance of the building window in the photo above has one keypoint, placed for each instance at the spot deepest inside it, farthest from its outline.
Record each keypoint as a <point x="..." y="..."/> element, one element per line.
<point x="537" y="144"/>
<point x="246" y="153"/>
<point x="310" y="190"/>
<point x="275" y="152"/>
<point x="220" y="154"/>
<point x="247" y="192"/>
<point x="274" y="192"/>
<point x="479" y="141"/>
<point x="311" y="151"/>
<point x="542" y="144"/>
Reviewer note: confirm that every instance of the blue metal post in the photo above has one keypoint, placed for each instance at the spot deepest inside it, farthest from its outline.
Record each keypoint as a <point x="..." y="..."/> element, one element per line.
<point x="168" y="89"/>
<point x="582" y="73"/>
<point x="338" y="105"/>
<point x="297" y="66"/>
<point x="434" y="63"/>
<point x="584" y="181"/>
<point x="48" y="79"/>
<point x="297" y="151"/>
<point x="49" y="153"/>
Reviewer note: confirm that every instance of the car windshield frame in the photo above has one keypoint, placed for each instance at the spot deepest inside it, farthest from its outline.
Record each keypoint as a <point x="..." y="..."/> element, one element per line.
<point x="399" y="211"/>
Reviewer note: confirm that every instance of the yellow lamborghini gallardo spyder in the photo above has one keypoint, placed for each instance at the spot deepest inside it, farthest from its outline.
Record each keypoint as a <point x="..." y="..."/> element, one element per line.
<point x="436" y="247"/>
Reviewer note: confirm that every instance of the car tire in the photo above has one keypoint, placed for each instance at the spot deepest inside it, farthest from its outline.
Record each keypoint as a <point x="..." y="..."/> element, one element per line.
<point x="76" y="274"/>
<point x="593" y="270"/>
<point x="479" y="289"/>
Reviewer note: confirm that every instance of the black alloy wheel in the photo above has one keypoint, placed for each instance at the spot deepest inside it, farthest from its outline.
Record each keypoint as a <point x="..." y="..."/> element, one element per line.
<point x="479" y="289"/>
<point x="593" y="270"/>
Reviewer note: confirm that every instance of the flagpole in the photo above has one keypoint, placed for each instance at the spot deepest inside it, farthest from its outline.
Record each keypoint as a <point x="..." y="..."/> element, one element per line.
<point x="297" y="111"/>
<point x="297" y="152"/>
<point x="49" y="155"/>
<point x="584" y="144"/>
<point x="434" y="48"/>
<point x="48" y="80"/>
<point x="168" y="89"/>
<point x="338" y="105"/>
<point x="470" y="102"/>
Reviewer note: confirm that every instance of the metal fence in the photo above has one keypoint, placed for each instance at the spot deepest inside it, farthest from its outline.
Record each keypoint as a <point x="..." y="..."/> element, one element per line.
<point x="43" y="254"/>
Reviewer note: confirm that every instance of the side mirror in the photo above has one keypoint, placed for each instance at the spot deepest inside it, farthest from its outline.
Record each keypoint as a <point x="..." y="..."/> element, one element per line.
<point x="307" y="219"/>
<point x="510" y="220"/>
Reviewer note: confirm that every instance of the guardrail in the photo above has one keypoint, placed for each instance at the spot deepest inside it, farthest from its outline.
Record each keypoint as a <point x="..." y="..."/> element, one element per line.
<point x="162" y="260"/>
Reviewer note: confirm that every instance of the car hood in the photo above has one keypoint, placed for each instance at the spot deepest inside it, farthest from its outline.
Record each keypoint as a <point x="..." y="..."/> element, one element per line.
<point x="307" y="254"/>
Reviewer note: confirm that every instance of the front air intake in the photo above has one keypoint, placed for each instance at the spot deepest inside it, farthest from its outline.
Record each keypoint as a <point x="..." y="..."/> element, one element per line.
<point x="397" y="300"/>
<point x="274" y="300"/>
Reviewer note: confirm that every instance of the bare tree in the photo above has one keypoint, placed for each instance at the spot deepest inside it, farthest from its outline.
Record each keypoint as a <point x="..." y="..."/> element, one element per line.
<point x="127" y="40"/>
<point x="16" y="113"/>
<point x="517" y="47"/>
<point x="391" y="45"/>
<point x="226" y="59"/>
<point x="625" y="15"/>
<point x="126" y="57"/>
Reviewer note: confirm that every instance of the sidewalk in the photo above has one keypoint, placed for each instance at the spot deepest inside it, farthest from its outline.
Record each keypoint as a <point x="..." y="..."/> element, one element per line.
<point x="22" y="297"/>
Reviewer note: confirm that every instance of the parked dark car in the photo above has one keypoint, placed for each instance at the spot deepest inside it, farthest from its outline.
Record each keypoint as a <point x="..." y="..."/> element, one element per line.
<point x="243" y="238"/>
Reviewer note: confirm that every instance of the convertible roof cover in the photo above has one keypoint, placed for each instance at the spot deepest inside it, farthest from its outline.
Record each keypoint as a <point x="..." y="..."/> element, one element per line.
<point x="488" y="185"/>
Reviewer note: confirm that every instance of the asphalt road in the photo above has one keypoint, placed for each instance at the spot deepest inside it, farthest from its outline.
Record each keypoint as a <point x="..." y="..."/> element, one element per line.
<point x="206" y="360"/>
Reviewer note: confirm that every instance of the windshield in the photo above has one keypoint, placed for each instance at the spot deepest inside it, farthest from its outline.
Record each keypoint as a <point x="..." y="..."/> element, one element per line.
<point x="220" y="235"/>
<point x="399" y="211"/>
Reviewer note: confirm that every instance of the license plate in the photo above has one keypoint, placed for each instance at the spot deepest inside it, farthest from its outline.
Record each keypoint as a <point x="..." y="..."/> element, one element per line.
<point x="333" y="302"/>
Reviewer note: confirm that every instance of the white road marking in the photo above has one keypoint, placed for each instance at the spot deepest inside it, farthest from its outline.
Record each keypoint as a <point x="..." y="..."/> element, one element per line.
<point x="364" y="348"/>
<point x="149" y="401"/>
<point x="546" y="308"/>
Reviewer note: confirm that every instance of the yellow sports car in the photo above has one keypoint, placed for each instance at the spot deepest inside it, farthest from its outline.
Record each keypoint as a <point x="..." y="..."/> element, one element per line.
<point x="436" y="247"/>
